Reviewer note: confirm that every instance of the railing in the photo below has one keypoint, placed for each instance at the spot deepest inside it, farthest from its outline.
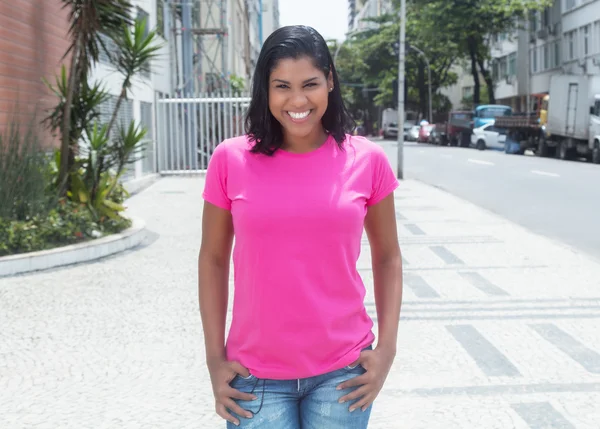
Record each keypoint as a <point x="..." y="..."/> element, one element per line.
<point x="189" y="129"/>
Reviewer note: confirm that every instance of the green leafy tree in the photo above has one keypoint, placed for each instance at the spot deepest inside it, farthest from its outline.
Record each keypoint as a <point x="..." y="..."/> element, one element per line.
<point x="370" y="58"/>
<point x="471" y="25"/>
<point x="89" y="20"/>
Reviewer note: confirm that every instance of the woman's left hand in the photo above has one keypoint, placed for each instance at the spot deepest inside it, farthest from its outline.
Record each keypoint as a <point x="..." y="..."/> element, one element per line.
<point x="377" y="363"/>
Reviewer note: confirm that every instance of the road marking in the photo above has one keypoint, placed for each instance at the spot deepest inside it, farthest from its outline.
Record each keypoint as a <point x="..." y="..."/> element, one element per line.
<point x="479" y="161"/>
<point x="420" y="287"/>
<point x="490" y="360"/>
<point x="541" y="415"/>
<point x="584" y="356"/>
<point x="545" y="173"/>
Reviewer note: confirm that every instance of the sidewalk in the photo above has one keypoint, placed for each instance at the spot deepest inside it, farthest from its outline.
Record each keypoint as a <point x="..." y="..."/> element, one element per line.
<point x="499" y="327"/>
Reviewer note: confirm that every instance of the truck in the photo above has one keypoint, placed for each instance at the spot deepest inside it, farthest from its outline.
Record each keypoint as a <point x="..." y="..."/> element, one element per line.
<point x="389" y="122"/>
<point x="567" y="123"/>
<point x="456" y="131"/>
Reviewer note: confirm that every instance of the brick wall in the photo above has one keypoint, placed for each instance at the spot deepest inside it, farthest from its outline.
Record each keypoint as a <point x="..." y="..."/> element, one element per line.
<point x="33" y="40"/>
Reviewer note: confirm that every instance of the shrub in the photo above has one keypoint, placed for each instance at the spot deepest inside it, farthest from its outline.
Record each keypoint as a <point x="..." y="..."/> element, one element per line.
<point x="67" y="223"/>
<point x="25" y="170"/>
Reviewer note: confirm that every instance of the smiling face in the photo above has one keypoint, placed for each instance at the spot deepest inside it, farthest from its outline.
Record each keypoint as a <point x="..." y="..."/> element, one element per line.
<point x="298" y="97"/>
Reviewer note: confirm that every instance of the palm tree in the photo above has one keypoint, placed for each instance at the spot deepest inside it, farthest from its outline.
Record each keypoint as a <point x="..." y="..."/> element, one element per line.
<point x="89" y="20"/>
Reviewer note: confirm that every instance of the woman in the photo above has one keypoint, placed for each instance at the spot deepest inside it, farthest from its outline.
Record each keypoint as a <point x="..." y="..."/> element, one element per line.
<point x="297" y="191"/>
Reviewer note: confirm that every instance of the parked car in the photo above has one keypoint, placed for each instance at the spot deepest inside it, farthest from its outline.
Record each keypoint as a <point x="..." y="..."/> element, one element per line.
<point x="413" y="133"/>
<point x="390" y="130"/>
<point x="488" y="136"/>
<point x="436" y="136"/>
<point x="424" y="133"/>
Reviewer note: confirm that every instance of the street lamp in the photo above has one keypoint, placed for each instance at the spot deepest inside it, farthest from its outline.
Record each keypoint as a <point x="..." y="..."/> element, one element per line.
<point x="420" y="52"/>
<point x="400" y="173"/>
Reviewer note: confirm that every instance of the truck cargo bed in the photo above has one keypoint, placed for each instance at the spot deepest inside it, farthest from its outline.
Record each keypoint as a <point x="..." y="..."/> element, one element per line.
<point x="516" y="120"/>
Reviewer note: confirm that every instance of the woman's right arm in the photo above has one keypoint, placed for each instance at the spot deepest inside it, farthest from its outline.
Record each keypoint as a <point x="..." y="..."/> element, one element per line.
<point x="213" y="278"/>
<point x="213" y="293"/>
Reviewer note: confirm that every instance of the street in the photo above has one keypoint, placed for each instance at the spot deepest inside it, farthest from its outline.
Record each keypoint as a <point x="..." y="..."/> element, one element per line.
<point x="559" y="199"/>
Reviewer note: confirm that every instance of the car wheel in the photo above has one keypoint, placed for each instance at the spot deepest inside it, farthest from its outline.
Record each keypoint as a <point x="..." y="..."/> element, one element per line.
<point x="563" y="150"/>
<point x="542" y="148"/>
<point x="480" y="145"/>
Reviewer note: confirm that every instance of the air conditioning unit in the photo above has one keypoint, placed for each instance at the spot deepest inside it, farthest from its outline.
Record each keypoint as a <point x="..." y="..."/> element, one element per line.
<point x="553" y="29"/>
<point x="596" y="61"/>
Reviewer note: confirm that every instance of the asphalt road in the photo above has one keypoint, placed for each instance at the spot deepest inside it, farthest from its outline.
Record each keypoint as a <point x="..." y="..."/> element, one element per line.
<point x="559" y="199"/>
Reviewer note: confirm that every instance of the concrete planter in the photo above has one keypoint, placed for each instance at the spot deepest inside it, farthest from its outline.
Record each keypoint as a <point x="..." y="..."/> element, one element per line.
<point x="75" y="253"/>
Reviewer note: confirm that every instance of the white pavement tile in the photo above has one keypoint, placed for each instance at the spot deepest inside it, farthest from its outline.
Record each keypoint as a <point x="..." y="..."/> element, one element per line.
<point x="118" y="343"/>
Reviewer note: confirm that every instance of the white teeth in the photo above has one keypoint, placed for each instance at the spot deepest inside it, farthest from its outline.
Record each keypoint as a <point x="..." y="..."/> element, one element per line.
<point x="299" y="115"/>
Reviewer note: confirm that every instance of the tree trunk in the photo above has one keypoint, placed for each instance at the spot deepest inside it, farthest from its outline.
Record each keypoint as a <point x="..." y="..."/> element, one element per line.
<point x="65" y="146"/>
<point x="472" y="43"/>
<point x="488" y="79"/>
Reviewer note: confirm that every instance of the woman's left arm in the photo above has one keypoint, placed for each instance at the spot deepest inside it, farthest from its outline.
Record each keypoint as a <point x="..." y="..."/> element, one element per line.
<point x="386" y="259"/>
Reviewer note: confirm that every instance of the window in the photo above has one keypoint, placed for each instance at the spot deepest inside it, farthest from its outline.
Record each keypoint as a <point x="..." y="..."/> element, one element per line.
<point x="596" y="44"/>
<point x="495" y="73"/>
<point x="111" y="50"/>
<point x="586" y="40"/>
<point x="533" y="27"/>
<point x="512" y="64"/>
<point x="467" y="92"/>
<point x="546" y="56"/>
<point x="534" y="60"/>
<point x="556" y="58"/>
<point x="146" y="121"/>
<point x="503" y="67"/>
<point x="546" y="17"/>
<point x="160" y="17"/>
<point x="570" y="4"/>
<point x="142" y="16"/>
<point x="570" y="45"/>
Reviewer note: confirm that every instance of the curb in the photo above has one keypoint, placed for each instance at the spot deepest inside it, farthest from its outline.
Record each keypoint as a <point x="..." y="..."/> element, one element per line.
<point x="74" y="253"/>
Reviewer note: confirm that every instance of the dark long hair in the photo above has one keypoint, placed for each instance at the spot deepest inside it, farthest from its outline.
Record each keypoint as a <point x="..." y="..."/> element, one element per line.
<point x="292" y="42"/>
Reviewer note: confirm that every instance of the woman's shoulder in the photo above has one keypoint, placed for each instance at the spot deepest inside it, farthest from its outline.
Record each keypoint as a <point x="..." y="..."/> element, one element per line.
<point x="363" y="145"/>
<point x="235" y="144"/>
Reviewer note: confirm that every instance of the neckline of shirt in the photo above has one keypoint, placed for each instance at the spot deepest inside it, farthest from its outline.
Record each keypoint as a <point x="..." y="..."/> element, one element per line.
<point x="283" y="152"/>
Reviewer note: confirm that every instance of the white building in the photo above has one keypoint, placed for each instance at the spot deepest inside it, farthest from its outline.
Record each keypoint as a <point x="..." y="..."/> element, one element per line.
<point x="270" y="18"/>
<point x="364" y="9"/>
<point x="564" y="38"/>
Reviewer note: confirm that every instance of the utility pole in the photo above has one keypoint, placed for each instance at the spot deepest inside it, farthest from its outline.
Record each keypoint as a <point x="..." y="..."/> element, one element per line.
<point x="400" y="173"/>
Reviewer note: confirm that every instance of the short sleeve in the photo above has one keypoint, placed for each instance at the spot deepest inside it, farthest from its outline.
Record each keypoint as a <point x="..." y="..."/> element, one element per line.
<point x="215" y="185"/>
<point x="384" y="180"/>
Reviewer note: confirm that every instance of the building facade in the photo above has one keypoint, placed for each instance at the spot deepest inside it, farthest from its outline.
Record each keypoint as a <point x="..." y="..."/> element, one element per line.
<point x="361" y="10"/>
<point x="33" y="41"/>
<point x="563" y="38"/>
<point x="270" y="17"/>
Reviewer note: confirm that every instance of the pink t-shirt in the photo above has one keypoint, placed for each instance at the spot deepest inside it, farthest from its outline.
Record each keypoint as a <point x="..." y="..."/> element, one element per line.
<point x="298" y="308"/>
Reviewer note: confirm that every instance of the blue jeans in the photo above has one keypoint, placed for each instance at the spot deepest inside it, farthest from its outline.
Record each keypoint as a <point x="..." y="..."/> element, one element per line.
<point x="306" y="403"/>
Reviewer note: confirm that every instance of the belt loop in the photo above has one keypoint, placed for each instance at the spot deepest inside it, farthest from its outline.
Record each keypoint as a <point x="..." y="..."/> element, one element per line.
<point x="298" y="385"/>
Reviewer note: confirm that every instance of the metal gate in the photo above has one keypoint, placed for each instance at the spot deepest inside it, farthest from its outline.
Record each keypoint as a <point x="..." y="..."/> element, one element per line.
<point x="189" y="129"/>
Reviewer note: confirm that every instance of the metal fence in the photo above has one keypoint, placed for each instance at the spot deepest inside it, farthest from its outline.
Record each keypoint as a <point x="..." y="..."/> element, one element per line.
<point x="189" y="129"/>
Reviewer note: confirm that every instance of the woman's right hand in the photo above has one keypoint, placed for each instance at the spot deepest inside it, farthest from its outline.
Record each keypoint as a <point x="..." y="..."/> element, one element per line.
<point x="222" y="372"/>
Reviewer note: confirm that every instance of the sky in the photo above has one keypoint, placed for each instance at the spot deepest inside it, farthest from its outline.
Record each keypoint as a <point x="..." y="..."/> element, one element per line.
<point x="328" y="17"/>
